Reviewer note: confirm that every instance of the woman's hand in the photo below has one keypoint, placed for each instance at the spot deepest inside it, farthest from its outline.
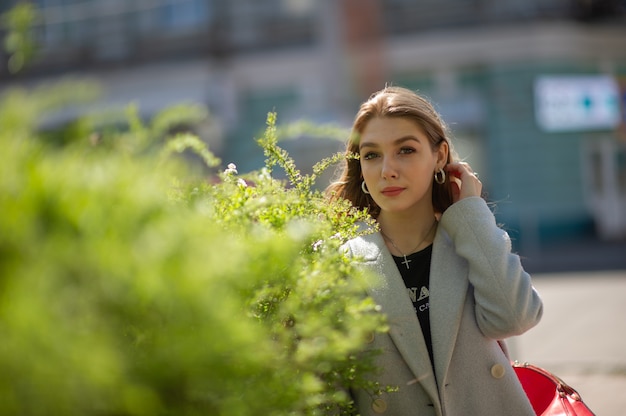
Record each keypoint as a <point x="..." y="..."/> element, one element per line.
<point x="464" y="181"/>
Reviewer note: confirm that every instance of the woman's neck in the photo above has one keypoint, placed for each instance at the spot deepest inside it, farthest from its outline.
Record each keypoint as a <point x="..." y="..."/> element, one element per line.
<point x="407" y="233"/>
<point x="403" y="231"/>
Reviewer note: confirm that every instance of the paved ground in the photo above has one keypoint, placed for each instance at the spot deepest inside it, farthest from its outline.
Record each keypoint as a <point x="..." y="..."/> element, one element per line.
<point x="582" y="336"/>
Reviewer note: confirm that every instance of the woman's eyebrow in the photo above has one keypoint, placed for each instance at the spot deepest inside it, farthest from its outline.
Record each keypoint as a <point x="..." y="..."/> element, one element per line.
<point x="368" y="144"/>
<point x="406" y="139"/>
<point x="396" y="142"/>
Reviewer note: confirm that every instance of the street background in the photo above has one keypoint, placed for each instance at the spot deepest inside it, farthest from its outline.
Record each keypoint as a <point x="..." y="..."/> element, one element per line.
<point x="582" y="335"/>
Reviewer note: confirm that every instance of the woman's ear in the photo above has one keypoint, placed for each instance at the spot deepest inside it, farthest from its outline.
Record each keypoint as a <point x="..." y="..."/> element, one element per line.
<point x="442" y="154"/>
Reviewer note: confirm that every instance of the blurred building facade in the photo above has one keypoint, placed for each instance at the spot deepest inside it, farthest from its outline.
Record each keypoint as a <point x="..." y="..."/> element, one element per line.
<point x="478" y="60"/>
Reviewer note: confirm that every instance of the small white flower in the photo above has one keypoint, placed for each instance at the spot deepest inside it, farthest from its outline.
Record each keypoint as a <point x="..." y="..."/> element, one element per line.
<point x="317" y="245"/>
<point x="231" y="169"/>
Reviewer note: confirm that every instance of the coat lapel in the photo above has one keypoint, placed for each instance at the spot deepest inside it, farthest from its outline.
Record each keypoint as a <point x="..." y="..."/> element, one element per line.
<point x="404" y="328"/>
<point x="448" y="290"/>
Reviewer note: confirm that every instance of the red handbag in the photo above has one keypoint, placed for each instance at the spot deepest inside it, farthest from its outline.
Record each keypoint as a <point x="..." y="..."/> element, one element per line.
<point x="548" y="394"/>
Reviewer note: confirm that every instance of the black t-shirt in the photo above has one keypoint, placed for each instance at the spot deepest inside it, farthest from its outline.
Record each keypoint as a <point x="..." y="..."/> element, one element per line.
<point x="416" y="279"/>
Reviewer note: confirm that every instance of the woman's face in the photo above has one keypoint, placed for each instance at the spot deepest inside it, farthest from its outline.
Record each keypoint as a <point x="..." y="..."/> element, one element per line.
<point x="398" y="163"/>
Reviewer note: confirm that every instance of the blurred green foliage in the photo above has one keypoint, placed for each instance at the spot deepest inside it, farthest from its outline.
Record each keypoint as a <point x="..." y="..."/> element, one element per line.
<point x="19" y="42"/>
<point x="130" y="285"/>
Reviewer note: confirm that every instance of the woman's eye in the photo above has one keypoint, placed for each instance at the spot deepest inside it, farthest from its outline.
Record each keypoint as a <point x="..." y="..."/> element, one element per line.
<point x="407" y="150"/>
<point x="369" y="155"/>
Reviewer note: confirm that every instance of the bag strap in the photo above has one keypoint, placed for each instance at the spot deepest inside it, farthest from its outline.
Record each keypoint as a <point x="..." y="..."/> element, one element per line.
<point x="504" y="348"/>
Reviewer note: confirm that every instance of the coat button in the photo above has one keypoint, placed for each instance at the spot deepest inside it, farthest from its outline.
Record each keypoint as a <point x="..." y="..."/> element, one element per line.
<point x="379" y="406"/>
<point x="498" y="371"/>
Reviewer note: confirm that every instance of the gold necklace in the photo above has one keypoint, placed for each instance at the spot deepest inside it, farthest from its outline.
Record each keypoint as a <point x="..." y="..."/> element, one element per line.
<point x="407" y="261"/>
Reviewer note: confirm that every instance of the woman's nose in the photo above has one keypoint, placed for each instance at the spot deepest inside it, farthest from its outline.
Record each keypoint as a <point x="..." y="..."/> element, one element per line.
<point x="389" y="168"/>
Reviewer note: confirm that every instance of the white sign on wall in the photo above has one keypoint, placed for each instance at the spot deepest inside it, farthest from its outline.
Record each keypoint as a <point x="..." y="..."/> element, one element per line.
<point x="574" y="103"/>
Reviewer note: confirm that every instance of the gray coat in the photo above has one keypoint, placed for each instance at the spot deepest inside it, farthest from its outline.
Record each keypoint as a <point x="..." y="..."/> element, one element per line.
<point x="479" y="293"/>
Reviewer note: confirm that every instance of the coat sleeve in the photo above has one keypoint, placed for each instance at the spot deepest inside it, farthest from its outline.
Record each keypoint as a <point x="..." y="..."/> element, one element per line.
<point x="506" y="302"/>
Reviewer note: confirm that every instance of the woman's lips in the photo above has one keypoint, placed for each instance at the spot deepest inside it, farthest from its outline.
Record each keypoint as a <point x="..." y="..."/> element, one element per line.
<point x="392" y="191"/>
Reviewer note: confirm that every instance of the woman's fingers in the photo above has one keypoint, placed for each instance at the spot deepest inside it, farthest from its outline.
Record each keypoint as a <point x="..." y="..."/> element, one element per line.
<point x="455" y="189"/>
<point x="464" y="181"/>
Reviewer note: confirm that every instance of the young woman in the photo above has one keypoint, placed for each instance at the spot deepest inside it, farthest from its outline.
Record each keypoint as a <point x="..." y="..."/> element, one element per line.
<point x="448" y="282"/>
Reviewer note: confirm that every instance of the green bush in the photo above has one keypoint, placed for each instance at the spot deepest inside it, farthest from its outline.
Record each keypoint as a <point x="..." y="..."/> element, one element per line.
<point x="129" y="285"/>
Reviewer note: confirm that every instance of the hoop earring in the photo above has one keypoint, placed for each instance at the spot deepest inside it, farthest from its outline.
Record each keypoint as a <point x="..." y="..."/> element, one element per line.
<point x="440" y="176"/>
<point x="364" y="188"/>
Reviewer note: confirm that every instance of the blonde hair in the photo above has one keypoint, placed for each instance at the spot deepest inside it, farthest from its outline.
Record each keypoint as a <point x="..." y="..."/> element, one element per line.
<point x="391" y="102"/>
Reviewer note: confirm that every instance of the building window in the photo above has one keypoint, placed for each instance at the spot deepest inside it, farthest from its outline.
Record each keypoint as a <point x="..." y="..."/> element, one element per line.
<point x="185" y="14"/>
